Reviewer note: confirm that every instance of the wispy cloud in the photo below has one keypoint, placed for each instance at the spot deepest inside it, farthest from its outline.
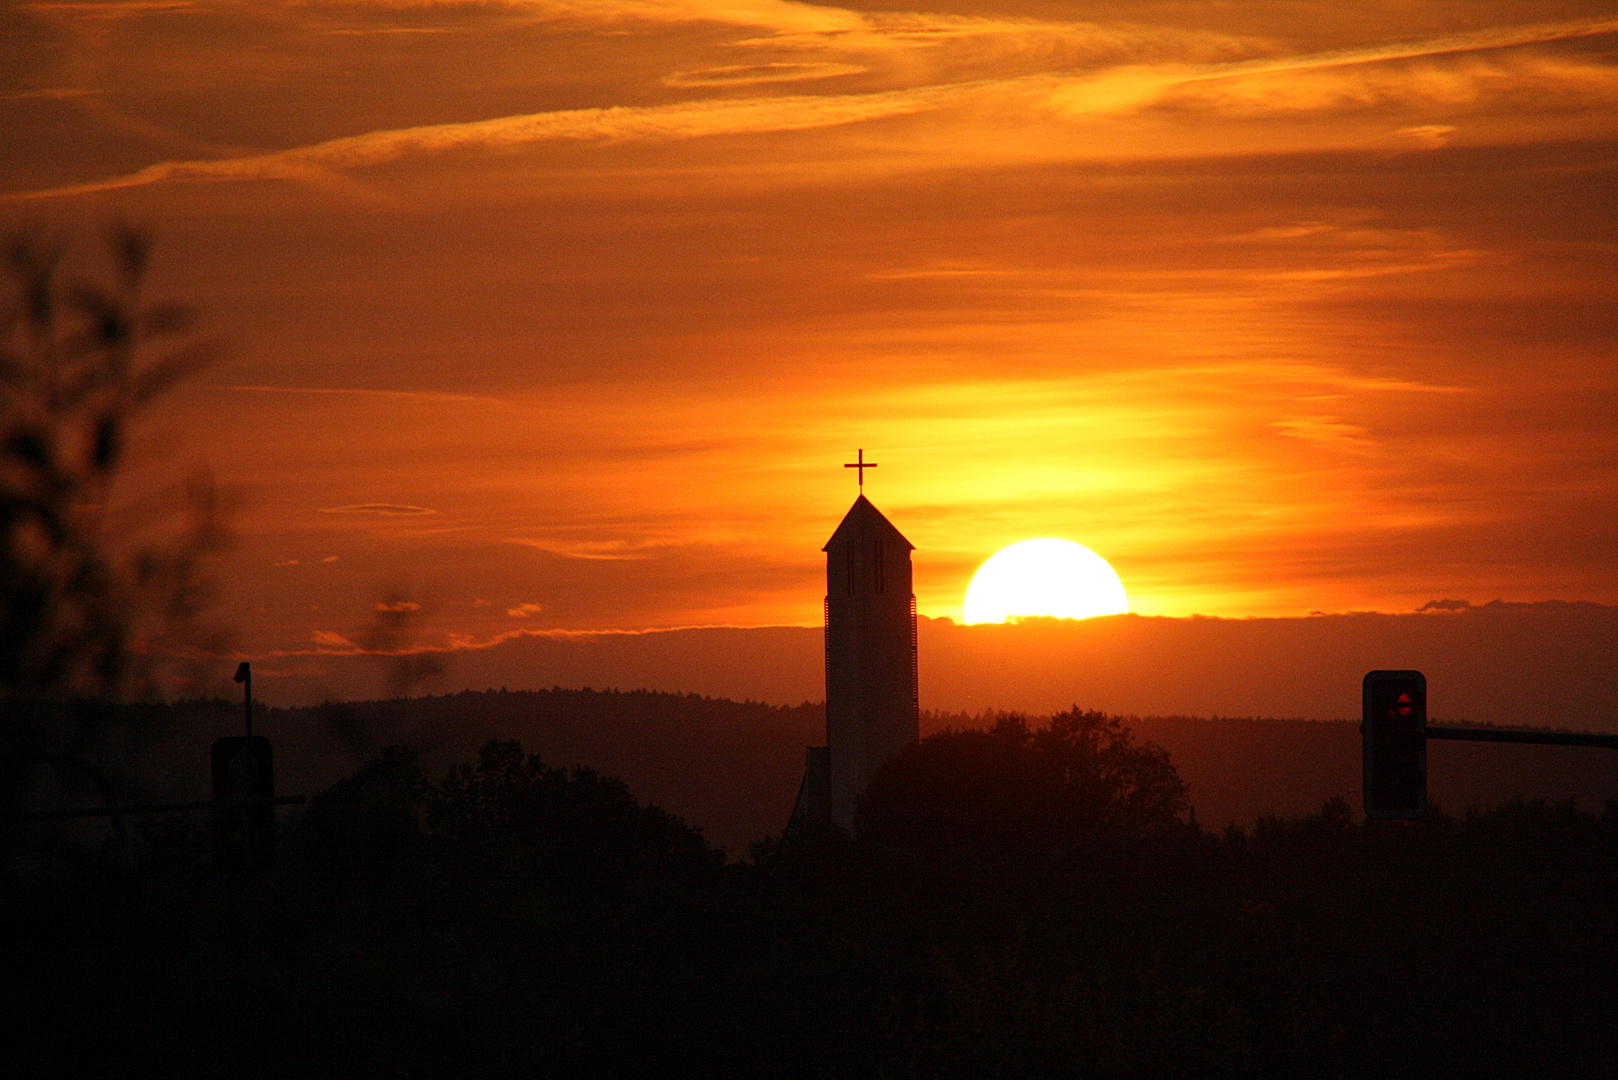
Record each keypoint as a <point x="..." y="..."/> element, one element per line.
<point x="604" y="550"/>
<point x="379" y="509"/>
<point x="417" y="395"/>
<point x="376" y="31"/>
<point x="330" y="643"/>
<point x="782" y="15"/>
<point x="105" y="9"/>
<point x="685" y="120"/>
<point x="328" y="640"/>
<point x="1432" y="136"/>
<point x="759" y="74"/>
<point x="800" y="26"/>
<point x="940" y="269"/>
<point x="1132" y="87"/>
<point x="1038" y="98"/>
<point x="1327" y="432"/>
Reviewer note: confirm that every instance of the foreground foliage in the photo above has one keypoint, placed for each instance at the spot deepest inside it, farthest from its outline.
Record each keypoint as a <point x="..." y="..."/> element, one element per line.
<point x="81" y="606"/>
<point x="512" y="918"/>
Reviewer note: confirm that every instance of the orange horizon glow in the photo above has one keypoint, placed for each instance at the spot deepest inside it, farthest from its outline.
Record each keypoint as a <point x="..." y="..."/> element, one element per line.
<point x="563" y="317"/>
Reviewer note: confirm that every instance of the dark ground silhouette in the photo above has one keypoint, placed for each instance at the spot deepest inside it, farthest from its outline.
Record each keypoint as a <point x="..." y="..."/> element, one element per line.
<point x="1018" y="902"/>
<point x="732" y="768"/>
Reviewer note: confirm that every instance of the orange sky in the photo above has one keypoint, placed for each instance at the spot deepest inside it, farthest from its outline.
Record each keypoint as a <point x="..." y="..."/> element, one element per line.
<point x="565" y="314"/>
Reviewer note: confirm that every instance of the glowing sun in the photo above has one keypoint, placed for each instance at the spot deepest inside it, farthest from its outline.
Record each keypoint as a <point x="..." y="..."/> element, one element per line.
<point x="1044" y="577"/>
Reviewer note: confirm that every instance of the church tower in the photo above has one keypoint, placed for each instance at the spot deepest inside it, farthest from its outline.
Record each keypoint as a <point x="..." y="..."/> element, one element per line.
<point x="871" y="710"/>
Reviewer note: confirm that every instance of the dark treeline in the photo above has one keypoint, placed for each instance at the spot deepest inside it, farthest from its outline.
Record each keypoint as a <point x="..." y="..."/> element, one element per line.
<point x="732" y="768"/>
<point x="1025" y="900"/>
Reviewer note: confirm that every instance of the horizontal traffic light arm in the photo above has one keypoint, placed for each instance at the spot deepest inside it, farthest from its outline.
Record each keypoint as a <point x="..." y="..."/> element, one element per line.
<point x="153" y="808"/>
<point x="1547" y="738"/>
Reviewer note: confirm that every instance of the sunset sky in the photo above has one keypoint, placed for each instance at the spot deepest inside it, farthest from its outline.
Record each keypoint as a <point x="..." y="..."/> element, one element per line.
<point x="565" y="315"/>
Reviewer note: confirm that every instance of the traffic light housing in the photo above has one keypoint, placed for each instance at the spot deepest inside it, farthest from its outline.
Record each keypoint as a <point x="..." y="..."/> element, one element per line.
<point x="243" y="815"/>
<point x="1393" y="726"/>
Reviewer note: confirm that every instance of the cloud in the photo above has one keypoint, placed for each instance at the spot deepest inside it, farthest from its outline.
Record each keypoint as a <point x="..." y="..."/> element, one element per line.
<point x="1428" y="83"/>
<point x="1501" y="37"/>
<point x="328" y="639"/>
<point x="420" y="395"/>
<point x="799" y="26"/>
<point x="943" y="268"/>
<point x="328" y="643"/>
<point x="1287" y="232"/>
<point x="49" y="93"/>
<point x="1235" y="87"/>
<point x="1133" y="87"/>
<point x="780" y="15"/>
<point x="757" y="74"/>
<point x="380" y="30"/>
<point x="525" y="611"/>
<point x="111" y="9"/>
<point x="380" y="509"/>
<point x="1327" y="432"/>
<point x="606" y="550"/>
<point x="398" y="607"/>
<point x="1431" y="136"/>
<point x="685" y="120"/>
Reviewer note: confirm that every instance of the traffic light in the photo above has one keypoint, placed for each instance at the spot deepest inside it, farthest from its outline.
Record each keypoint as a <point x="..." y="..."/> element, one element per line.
<point x="1393" y="726"/>
<point x="243" y="815"/>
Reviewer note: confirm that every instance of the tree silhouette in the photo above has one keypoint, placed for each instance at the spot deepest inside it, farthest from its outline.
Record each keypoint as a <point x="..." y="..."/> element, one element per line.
<point x="1083" y="774"/>
<point x="524" y="816"/>
<point x="369" y="818"/>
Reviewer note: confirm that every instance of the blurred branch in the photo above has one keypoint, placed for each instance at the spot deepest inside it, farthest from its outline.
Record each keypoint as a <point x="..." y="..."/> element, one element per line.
<point x="83" y="609"/>
<point x="395" y="627"/>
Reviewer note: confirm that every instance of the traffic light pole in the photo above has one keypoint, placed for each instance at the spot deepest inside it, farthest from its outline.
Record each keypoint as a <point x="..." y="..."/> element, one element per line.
<point x="1394" y="733"/>
<point x="1545" y="738"/>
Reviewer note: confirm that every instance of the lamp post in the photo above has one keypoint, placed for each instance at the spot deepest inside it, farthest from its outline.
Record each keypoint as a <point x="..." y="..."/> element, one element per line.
<point x="244" y="675"/>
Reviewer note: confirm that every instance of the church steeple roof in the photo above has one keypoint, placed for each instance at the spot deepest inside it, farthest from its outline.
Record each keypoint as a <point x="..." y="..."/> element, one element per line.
<point x="865" y="521"/>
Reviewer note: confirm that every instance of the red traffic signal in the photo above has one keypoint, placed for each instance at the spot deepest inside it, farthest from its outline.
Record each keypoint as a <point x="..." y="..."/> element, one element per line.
<point x="1393" y="728"/>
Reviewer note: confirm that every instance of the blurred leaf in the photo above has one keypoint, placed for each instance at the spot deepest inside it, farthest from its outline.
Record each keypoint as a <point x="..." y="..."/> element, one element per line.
<point x="167" y="319"/>
<point x="14" y="372"/>
<point x="180" y="364"/>
<point x="30" y="446"/>
<point x="106" y="321"/>
<point x="86" y="609"/>
<point x="108" y="442"/>
<point x="131" y="250"/>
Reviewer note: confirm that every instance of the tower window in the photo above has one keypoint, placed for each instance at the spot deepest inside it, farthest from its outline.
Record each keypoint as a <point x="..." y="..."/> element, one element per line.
<point x="876" y="562"/>
<point x="851" y="560"/>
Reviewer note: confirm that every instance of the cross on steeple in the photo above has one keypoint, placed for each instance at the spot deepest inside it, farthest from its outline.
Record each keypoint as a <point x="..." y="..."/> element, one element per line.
<point x="861" y="465"/>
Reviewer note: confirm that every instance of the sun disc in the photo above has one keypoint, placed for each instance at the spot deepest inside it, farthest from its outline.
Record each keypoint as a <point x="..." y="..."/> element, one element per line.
<point x="1044" y="577"/>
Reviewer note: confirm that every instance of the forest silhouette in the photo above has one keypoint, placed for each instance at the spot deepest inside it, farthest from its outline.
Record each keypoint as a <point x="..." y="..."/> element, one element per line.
<point x="731" y="768"/>
<point x="1023" y="901"/>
